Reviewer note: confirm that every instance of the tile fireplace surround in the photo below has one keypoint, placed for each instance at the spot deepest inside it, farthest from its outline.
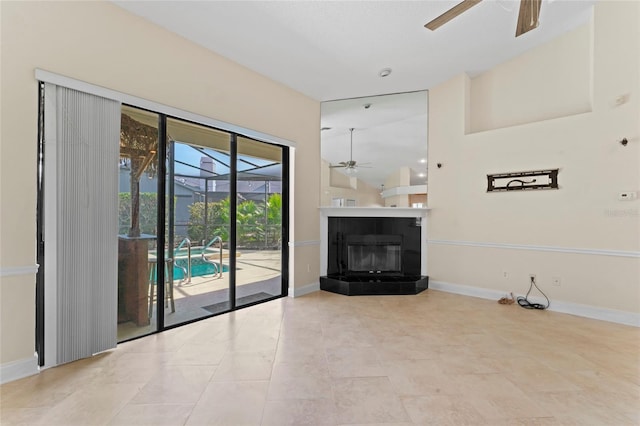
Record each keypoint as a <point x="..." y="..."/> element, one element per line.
<point x="403" y="276"/>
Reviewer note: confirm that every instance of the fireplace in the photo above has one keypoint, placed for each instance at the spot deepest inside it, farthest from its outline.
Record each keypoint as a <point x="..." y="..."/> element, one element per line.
<point x="374" y="255"/>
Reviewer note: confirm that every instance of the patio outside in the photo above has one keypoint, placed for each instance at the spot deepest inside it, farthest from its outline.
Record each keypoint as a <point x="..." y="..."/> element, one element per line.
<point x="198" y="215"/>
<point x="258" y="272"/>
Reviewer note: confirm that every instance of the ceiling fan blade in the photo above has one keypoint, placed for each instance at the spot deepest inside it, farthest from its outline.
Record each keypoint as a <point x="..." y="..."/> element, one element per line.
<point x="450" y="14"/>
<point x="528" y="17"/>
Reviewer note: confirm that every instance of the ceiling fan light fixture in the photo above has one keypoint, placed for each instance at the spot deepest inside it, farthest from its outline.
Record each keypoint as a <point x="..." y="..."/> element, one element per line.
<point x="350" y="167"/>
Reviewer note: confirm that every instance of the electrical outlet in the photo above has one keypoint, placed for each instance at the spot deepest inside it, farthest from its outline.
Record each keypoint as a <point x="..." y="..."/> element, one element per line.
<point x="532" y="278"/>
<point x="627" y="196"/>
<point x="505" y="275"/>
<point x="621" y="100"/>
<point x="555" y="281"/>
<point x="308" y="267"/>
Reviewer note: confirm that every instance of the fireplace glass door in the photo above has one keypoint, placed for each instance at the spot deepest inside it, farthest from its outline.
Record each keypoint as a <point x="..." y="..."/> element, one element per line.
<point x="374" y="253"/>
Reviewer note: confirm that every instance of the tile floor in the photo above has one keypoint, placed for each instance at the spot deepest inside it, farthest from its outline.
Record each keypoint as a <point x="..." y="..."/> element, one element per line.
<point x="327" y="359"/>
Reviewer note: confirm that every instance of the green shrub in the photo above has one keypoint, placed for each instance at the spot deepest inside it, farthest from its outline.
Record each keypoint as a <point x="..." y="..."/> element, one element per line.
<point x="148" y="213"/>
<point x="254" y="228"/>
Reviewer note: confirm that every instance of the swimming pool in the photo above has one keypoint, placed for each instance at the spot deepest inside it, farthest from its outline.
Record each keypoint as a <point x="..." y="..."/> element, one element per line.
<point x="199" y="267"/>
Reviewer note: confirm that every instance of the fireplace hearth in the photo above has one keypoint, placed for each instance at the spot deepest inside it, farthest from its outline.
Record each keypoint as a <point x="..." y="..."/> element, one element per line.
<point x="361" y="286"/>
<point x="374" y="255"/>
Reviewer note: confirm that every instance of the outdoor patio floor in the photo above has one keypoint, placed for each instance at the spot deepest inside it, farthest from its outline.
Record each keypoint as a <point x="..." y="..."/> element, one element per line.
<point x="257" y="271"/>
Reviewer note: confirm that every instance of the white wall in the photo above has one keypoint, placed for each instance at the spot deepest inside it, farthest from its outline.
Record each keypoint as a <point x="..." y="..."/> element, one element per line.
<point x="477" y="237"/>
<point x="102" y="44"/>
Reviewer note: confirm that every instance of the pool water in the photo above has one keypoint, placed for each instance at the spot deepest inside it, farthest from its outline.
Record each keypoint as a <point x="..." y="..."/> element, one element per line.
<point x="198" y="268"/>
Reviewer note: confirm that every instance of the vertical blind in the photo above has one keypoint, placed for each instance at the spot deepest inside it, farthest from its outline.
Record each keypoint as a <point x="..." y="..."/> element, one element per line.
<point x="86" y="219"/>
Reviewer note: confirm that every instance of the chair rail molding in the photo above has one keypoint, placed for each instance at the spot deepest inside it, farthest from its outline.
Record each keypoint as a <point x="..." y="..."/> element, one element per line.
<point x="304" y="243"/>
<point x="555" y="249"/>
<point x="19" y="270"/>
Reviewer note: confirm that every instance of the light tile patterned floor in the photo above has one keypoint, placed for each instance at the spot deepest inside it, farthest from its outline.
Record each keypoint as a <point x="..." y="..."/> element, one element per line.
<point x="326" y="359"/>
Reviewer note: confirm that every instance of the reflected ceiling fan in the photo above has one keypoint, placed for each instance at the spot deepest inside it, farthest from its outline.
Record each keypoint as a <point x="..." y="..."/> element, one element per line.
<point x="528" y="17"/>
<point x="350" y="166"/>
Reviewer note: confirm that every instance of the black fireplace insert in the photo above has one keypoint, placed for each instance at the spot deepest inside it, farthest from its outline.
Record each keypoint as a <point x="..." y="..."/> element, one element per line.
<point x="380" y="255"/>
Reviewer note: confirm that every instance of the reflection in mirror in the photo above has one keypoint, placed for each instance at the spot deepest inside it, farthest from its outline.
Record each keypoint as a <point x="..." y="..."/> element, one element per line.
<point x="381" y="162"/>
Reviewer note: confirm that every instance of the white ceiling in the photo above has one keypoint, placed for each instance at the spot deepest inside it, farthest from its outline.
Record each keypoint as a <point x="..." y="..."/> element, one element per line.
<point x="331" y="50"/>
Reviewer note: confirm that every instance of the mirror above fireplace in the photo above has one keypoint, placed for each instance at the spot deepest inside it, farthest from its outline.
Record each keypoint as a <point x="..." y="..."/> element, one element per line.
<point x="388" y="146"/>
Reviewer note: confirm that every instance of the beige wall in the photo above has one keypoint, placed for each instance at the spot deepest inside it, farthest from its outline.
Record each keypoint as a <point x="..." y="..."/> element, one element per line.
<point x="397" y="201"/>
<point x="584" y="214"/>
<point x="503" y="97"/>
<point x="400" y="177"/>
<point x="102" y="44"/>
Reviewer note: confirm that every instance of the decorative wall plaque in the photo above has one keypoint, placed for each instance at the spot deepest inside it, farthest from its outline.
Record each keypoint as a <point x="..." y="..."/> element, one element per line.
<point x="523" y="181"/>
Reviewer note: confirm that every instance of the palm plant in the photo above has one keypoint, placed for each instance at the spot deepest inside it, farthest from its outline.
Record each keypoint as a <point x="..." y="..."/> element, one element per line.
<point x="138" y="145"/>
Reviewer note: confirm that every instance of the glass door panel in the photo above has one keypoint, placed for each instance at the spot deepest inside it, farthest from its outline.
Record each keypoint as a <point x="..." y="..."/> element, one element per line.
<point x="209" y="266"/>
<point x="198" y="222"/>
<point x="137" y="222"/>
<point x="259" y="222"/>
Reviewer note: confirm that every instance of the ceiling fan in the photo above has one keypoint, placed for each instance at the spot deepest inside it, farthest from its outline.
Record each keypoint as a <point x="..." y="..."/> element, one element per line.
<point x="350" y="166"/>
<point x="528" y="16"/>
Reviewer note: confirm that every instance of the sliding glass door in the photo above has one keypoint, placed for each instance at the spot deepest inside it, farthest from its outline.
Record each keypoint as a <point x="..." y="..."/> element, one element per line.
<point x="199" y="221"/>
<point x="225" y="204"/>
<point x="259" y="222"/>
<point x="220" y="199"/>
<point x="137" y="222"/>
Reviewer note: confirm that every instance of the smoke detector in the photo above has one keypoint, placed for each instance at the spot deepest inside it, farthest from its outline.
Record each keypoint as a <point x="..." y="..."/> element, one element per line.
<point x="384" y="72"/>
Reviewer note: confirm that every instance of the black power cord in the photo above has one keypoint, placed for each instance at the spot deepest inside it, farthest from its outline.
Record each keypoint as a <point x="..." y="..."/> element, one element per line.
<point x="524" y="301"/>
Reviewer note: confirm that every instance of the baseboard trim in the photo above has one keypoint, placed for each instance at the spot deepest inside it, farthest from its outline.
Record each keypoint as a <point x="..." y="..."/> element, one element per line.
<point x="587" y="311"/>
<point x="15" y="370"/>
<point x="305" y="289"/>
